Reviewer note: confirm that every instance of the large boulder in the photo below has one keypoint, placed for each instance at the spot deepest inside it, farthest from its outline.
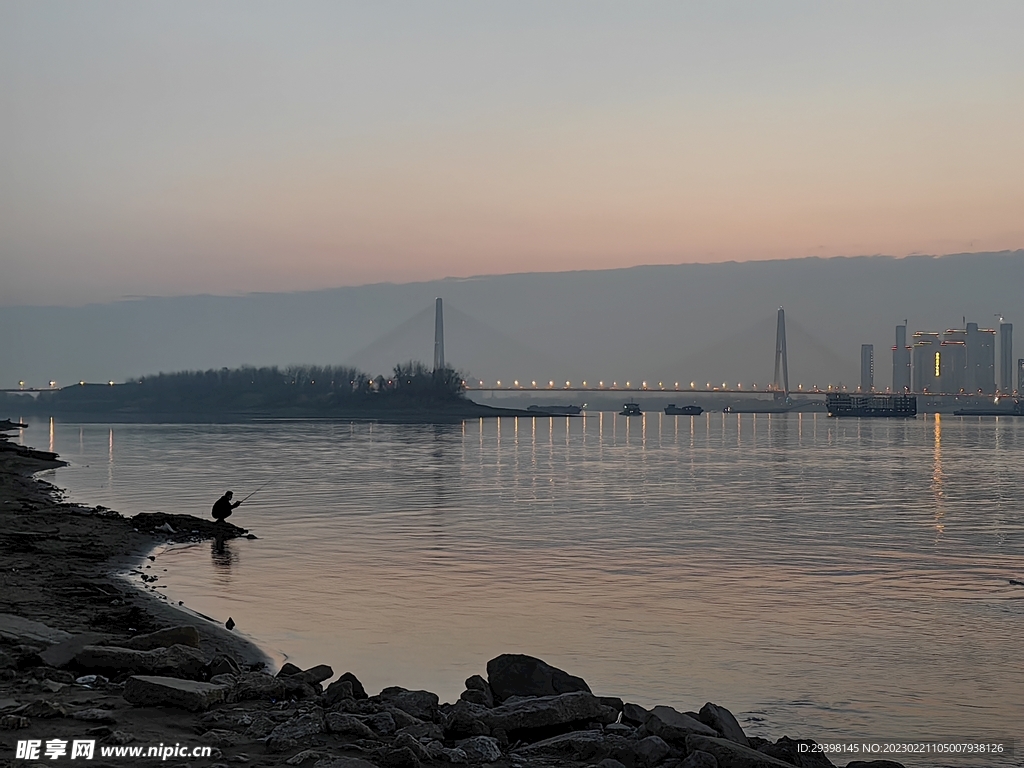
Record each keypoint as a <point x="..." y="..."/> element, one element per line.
<point x="550" y="713"/>
<point x="420" y="704"/>
<point x="177" y="661"/>
<point x="590" y="746"/>
<point x="513" y="674"/>
<point x="463" y="719"/>
<point x="723" y="721"/>
<point x="148" y="691"/>
<point x="698" y="759"/>
<point x="481" y="749"/>
<point x="729" y="754"/>
<point x="261" y="686"/>
<point x="348" y="725"/>
<point x="673" y="726"/>
<point x="652" y="750"/>
<point x="61" y="654"/>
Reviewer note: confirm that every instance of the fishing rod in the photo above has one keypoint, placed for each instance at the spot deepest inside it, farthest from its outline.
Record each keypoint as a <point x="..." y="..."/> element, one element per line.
<point x="258" y="490"/>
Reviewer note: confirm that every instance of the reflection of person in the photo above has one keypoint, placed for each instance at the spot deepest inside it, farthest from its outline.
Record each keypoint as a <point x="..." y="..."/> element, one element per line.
<point x="223" y="507"/>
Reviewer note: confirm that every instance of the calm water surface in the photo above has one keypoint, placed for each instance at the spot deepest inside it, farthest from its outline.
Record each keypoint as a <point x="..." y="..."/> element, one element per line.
<point x="821" y="578"/>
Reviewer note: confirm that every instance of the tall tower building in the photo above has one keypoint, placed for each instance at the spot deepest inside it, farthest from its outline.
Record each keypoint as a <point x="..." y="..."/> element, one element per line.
<point x="901" y="361"/>
<point x="927" y="359"/>
<point x="867" y="367"/>
<point x="981" y="360"/>
<point x="1020" y="376"/>
<point x="1006" y="358"/>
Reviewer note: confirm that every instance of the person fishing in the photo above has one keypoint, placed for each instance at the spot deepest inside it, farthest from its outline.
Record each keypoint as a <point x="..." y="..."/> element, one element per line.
<point x="223" y="507"/>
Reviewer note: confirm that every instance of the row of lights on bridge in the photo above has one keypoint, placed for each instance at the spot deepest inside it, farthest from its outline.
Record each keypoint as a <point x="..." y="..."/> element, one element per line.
<point x="661" y="386"/>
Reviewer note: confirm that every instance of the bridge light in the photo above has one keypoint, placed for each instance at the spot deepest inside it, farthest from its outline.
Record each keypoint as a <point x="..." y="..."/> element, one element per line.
<point x="21" y="384"/>
<point x="81" y="383"/>
<point x="534" y="383"/>
<point x="481" y="383"/>
<point x="110" y="383"/>
<point x="627" y="385"/>
<point x="660" y="385"/>
<point x="551" y="383"/>
<point x="567" y="383"/>
<point x="516" y="382"/>
<point x="584" y="383"/>
<point x="615" y="385"/>
<point x="53" y="384"/>
<point x="645" y="385"/>
<point x="693" y="385"/>
<point x="677" y="385"/>
<point x="498" y="383"/>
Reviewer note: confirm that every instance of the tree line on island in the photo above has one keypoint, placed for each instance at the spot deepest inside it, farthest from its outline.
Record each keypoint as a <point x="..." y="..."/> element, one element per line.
<point x="307" y="389"/>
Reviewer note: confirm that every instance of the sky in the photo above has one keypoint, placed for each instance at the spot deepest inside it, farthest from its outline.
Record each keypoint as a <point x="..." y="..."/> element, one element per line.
<point x="179" y="148"/>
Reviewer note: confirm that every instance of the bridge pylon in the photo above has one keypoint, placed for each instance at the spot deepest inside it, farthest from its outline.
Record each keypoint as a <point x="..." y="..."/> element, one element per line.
<point x="438" y="336"/>
<point x="781" y="385"/>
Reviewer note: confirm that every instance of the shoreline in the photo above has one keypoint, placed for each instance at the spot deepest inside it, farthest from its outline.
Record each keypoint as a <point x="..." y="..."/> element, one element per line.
<point x="66" y="611"/>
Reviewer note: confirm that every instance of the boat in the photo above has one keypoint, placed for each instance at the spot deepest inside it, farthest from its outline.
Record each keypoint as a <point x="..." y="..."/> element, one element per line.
<point x="891" y="406"/>
<point x="631" y="409"/>
<point x="555" y="410"/>
<point x="683" y="410"/>
<point x="1014" y="408"/>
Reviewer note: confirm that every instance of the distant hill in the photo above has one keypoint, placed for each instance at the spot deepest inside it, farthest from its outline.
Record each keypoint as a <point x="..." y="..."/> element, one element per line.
<point x="689" y="322"/>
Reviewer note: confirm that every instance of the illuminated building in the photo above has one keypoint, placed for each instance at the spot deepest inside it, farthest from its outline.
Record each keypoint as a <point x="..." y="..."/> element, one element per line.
<point x="867" y="367"/>
<point x="927" y="367"/>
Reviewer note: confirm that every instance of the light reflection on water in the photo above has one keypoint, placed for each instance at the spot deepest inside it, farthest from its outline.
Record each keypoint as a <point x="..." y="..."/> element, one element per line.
<point x="837" y="578"/>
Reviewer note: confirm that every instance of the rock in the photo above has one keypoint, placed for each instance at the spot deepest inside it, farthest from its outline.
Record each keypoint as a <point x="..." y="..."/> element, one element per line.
<point x="729" y="754"/>
<point x="146" y="691"/>
<point x="673" y="726"/>
<point x="13" y="722"/>
<point x="303" y="756"/>
<point x="420" y="731"/>
<point x="119" y="738"/>
<point x="220" y="738"/>
<point x="477" y="683"/>
<point x="698" y="759"/>
<point x="344" y="762"/>
<point x="348" y="725"/>
<point x="402" y="718"/>
<point x="583" y="745"/>
<point x="42" y="709"/>
<point x="259" y="685"/>
<point x="463" y="720"/>
<point x="287" y="734"/>
<point x="477" y="696"/>
<point x="546" y="711"/>
<point x="480" y="749"/>
<point x="383" y="723"/>
<point x="94" y="715"/>
<point x="513" y="674"/>
<point x="652" y="750"/>
<point x="259" y="728"/>
<point x="357" y="688"/>
<point x="229" y="624"/>
<point x="438" y="751"/>
<point x="634" y="714"/>
<point x="7" y="661"/>
<point x="338" y="690"/>
<point x="223" y="665"/>
<point x="419" y="704"/>
<point x="620" y="729"/>
<point x="410" y="743"/>
<point x="402" y="757"/>
<point x="874" y="764"/>
<point x="723" y="721"/>
<point x="788" y="750"/>
<point x="165" y="638"/>
<point x="316" y="674"/>
<point x="15" y="629"/>
<point x="288" y="669"/>
<point x="610" y="762"/>
<point x="177" y="661"/>
<point x="61" y="654"/>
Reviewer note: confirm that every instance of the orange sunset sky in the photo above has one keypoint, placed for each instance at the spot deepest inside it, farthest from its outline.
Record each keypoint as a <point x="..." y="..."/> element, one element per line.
<point x="174" y="148"/>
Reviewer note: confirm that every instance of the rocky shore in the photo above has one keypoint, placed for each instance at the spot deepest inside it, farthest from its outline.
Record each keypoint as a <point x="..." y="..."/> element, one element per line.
<point x="86" y="657"/>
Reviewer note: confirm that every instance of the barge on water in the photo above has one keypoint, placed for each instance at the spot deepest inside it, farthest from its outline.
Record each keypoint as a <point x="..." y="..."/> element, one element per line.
<point x="872" y="405"/>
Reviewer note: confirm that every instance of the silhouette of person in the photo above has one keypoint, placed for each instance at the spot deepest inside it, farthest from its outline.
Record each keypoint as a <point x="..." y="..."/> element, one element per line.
<point x="223" y="507"/>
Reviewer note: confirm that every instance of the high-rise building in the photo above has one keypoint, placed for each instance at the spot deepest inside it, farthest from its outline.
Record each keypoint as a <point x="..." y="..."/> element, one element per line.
<point x="952" y="365"/>
<point x="1006" y="358"/>
<point x="1020" y="376"/>
<point x="981" y="360"/>
<point x="901" y="361"/>
<point x="927" y="367"/>
<point x="867" y="367"/>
